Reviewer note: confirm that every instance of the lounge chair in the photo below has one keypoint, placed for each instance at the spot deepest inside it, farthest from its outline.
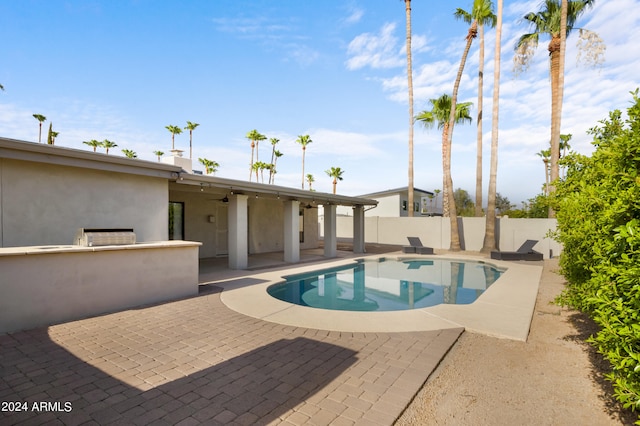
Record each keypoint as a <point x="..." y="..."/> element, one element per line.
<point x="416" y="247"/>
<point x="525" y="252"/>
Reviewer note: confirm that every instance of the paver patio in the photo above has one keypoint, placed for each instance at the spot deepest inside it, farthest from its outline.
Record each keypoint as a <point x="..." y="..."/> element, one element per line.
<point x="196" y="361"/>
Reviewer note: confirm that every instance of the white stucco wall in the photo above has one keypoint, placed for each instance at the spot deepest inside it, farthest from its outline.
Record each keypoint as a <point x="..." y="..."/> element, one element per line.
<point x="47" y="285"/>
<point x="388" y="206"/>
<point x="45" y="204"/>
<point x="266" y="226"/>
<point x="436" y="232"/>
<point x="198" y="208"/>
<point x="266" y="223"/>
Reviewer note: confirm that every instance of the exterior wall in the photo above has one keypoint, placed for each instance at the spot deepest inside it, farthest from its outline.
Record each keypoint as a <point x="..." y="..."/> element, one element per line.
<point x="47" y="285"/>
<point x="436" y="232"/>
<point x="197" y="226"/>
<point x="388" y="206"/>
<point x="266" y="223"/>
<point x="266" y="226"/>
<point x="45" y="204"/>
<point x="513" y="232"/>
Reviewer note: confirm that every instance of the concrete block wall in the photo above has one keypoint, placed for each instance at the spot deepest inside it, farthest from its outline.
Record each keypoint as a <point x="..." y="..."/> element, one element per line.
<point x="436" y="232"/>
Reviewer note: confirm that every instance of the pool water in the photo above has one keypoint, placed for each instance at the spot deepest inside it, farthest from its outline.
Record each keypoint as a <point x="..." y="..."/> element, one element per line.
<point x="388" y="285"/>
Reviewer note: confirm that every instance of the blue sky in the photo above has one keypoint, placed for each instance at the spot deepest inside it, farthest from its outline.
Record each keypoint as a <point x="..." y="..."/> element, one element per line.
<point x="124" y="69"/>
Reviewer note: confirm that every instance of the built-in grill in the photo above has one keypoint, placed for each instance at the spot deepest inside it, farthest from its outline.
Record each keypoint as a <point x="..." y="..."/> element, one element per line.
<point x="90" y="237"/>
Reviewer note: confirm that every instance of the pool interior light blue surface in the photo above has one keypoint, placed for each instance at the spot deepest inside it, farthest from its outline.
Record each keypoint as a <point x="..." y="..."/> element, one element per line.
<point x="388" y="285"/>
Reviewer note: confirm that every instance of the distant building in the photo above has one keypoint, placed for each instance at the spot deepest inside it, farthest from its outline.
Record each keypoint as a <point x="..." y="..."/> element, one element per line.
<point x="395" y="203"/>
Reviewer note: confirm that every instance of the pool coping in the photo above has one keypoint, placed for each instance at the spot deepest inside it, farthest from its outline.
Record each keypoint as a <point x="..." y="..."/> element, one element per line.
<point x="504" y="310"/>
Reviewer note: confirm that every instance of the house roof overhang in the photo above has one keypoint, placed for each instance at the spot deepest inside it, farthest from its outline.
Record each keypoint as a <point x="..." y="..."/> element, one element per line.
<point x="177" y="177"/>
<point x="395" y="191"/>
<point x="51" y="154"/>
<point x="222" y="186"/>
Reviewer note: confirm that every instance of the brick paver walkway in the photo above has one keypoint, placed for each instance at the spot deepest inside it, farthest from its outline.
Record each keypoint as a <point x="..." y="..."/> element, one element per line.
<point x="195" y="361"/>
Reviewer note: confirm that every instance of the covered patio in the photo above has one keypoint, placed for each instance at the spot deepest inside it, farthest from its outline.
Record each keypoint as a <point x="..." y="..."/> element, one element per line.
<point x="235" y="220"/>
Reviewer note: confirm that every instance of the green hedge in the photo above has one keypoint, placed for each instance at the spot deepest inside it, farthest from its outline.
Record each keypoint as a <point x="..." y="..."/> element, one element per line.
<point x="598" y="211"/>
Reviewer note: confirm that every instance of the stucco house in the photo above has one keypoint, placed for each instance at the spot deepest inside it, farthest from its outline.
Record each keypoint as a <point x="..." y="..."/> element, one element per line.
<point x="48" y="192"/>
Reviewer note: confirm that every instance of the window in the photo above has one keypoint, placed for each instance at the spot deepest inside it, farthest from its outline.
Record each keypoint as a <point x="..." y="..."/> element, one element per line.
<point x="301" y="225"/>
<point x="176" y="220"/>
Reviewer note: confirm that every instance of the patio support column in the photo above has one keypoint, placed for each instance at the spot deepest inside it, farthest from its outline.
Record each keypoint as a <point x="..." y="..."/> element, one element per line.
<point x="330" y="239"/>
<point x="358" y="229"/>
<point x="238" y="225"/>
<point x="292" y="231"/>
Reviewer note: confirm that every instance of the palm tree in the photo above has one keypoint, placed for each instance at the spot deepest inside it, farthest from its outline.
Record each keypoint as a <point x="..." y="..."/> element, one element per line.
<point x="277" y="154"/>
<point x="106" y="144"/>
<point x="481" y="14"/>
<point x="548" y="22"/>
<point x="448" y="187"/>
<point x="564" y="12"/>
<point x="175" y="130"/>
<point x="159" y="154"/>
<point x="407" y="5"/>
<point x="191" y="127"/>
<point x="439" y="114"/>
<point x="546" y="157"/>
<point x="254" y="136"/>
<point x="564" y="144"/>
<point x="489" y="242"/>
<point x="54" y="135"/>
<point x="93" y="144"/>
<point x="310" y="180"/>
<point x="50" y="135"/>
<point x="336" y="174"/>
<point x="303" y="140"/>
<point x="210" y="166"/>
<point x="255" y="168"/>
<point x="272" y="169"/>
<point x="40" y="118"/>
<point x="263" y="166"/>
<point x="274" y="142"/>
<point x="129" y="153"/>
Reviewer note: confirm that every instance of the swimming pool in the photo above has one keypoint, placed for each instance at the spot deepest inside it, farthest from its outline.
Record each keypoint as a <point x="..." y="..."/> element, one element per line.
<point x="388" y="284"/>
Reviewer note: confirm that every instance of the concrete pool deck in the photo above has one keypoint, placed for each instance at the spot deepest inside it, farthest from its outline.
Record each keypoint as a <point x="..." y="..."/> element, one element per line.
<point x="196" y="361"/>
<point x="504" y="310"/>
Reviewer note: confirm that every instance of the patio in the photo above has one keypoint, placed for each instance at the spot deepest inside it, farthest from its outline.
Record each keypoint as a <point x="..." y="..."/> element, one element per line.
<point x="196" y="361"/>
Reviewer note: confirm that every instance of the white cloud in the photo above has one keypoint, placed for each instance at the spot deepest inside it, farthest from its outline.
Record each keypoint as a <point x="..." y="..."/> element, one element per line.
<point x="375" y="50"/>
<point x="355" y="15"/>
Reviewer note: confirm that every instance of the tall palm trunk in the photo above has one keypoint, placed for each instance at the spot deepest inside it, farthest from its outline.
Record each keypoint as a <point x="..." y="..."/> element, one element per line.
<point x="253" y="146"/>
<point x="478" y="211"/>
<point x="411" y="118"/>
<point x="453" y="216"/>
<point x="446" y="166"/>
<point x="272" y="180"/>
<point x="304" y="149"/>
<point x="555" y="137"/>
<point x="546" y="176"/>
<point x="489" y="243"/>
<point x="273" y="164"/>
<point x="554" y="53"/>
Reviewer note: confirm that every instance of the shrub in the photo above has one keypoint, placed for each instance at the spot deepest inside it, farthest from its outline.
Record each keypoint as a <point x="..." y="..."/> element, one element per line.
<point x="598" y="210"/>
